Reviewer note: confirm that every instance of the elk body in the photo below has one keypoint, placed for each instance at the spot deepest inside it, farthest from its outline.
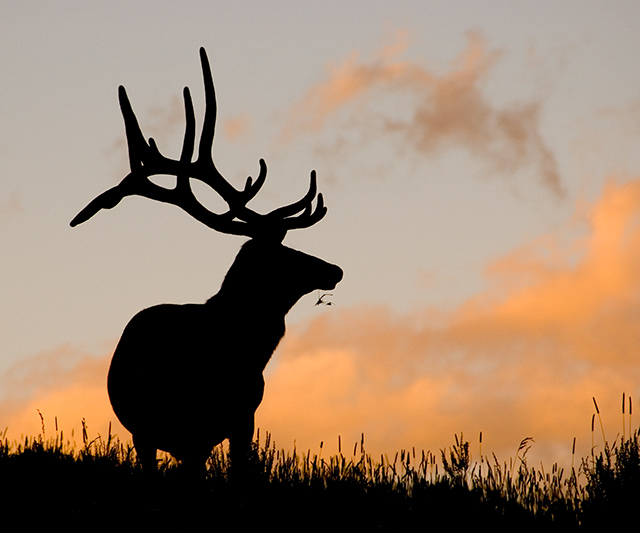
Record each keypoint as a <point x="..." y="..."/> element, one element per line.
<point x="185" y="377"/>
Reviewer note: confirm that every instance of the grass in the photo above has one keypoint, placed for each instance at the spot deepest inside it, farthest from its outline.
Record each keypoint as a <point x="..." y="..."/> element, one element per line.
<point x="99" y="487"/>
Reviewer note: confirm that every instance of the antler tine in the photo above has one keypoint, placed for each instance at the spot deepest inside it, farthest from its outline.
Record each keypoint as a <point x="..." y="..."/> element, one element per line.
<point x="190" y="128"/>
<point x="183" y="186"/>
<point x="307" y="218"/>
<point x="277" y="222"/>
<point x="294" y="208"/>
<point x="211" y="110"/>
<point x="136" y="142"/>
<point x="251" y="188"/>
<point x="212" y="176"/>
<point x="106" y="200"/>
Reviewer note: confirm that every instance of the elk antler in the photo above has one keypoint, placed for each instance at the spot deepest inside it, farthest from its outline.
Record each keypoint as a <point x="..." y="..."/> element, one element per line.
<point x="145" y="160"/>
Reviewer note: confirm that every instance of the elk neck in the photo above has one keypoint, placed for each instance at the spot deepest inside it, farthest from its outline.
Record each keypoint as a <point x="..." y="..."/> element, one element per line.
<point x="258" y="284"/>
<point x="252" y="301"/>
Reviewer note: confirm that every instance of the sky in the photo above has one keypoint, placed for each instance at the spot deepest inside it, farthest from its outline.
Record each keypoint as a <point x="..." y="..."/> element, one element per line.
<point x="480" y="165"/>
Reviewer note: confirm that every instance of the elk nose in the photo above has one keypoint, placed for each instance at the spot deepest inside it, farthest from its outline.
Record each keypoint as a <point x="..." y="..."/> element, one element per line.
<point x="334" y="277"/>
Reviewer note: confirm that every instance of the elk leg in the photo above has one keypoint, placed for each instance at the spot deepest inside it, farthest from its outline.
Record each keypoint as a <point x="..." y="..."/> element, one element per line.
<point x="240" y="444"/>
<point x="146" y="453"/>
<point x="195" y="466"/>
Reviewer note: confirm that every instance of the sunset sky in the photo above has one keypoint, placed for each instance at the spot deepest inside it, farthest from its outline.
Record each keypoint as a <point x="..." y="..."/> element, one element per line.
<point x="481" y="166"/>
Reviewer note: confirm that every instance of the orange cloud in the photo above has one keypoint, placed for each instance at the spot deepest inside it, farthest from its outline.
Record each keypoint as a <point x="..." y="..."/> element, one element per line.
<point x="10" y="208"/>
<point x="587" y="304"/>
<point x="65" y="384"/>
<point x="522" y="359"/>
<point x="236" y="128"/>
<point x="430" y="112"/>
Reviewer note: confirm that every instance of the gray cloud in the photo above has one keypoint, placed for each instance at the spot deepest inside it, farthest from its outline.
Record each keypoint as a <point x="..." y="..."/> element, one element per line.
<point x="429" y="113"/>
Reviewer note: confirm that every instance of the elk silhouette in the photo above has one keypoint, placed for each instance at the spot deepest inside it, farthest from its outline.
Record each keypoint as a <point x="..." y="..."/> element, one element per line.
<point x="185" y="377"/>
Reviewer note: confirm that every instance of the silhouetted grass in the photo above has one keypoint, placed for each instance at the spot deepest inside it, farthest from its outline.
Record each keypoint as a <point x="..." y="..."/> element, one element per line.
<point x="98" y="487"/>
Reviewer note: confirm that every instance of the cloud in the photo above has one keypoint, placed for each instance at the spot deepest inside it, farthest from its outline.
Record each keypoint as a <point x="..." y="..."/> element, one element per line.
<point x="165" y="120"/>
<point x="10" y="208"/>
<point x="237" y="128"/>
<point x="429" y="113"/>
<point x="558" y="325"/>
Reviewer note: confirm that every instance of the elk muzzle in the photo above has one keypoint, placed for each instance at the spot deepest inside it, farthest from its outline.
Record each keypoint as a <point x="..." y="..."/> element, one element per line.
<point x="332" y="276"/>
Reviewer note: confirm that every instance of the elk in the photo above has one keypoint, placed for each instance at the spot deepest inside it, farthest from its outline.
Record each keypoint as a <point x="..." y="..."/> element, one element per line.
<point x="183" y="378"/>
